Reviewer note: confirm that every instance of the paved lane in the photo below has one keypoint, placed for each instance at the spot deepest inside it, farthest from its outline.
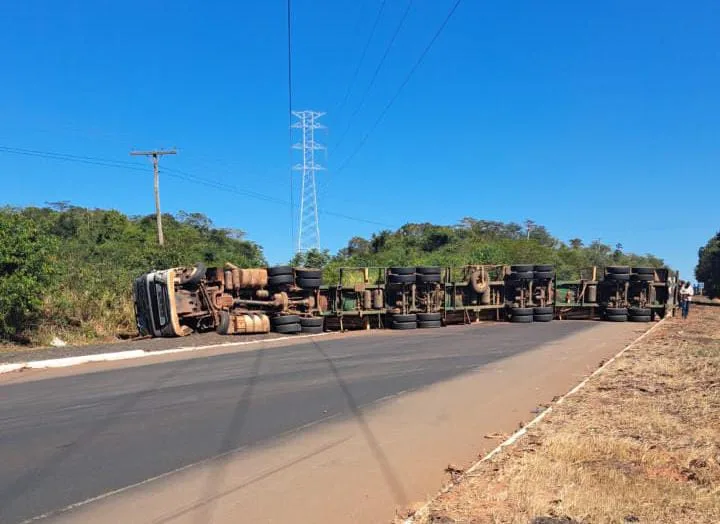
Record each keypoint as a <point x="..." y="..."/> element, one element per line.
<point x="64" y="440"/>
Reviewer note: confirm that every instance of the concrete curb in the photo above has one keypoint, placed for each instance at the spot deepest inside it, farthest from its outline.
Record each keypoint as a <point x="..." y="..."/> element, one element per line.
<point x="423" y="511"/>
<point x="130" y="354"/>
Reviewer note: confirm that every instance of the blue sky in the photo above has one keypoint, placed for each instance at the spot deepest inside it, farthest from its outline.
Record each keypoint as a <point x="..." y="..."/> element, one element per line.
<point x="597" y="120"/>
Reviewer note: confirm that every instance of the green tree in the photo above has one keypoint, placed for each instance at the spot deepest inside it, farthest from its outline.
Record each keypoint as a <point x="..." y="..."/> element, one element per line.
<point x="26" y="255"/>
<point x="708" y="267"/>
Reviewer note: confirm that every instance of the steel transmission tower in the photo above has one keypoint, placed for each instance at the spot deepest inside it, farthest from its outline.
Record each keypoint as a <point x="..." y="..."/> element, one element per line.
<point x="309" y="227"/>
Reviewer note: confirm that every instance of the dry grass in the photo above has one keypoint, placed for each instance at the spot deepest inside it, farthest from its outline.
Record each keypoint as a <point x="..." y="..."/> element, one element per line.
<point x="640" y="443"/>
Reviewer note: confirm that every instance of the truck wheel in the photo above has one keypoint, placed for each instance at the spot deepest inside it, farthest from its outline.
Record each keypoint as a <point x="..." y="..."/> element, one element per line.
<point x="543" y="275"/>
<point x="196" y="276"/>
<point x="427" y="278"/>
<point x="640" y="318"/>
<point x="643" y="270"/>
<point x="401" y="279"/>
<point x="543" y="318"/>
<point x="521" y="275"/>
<point x="642" y="277"/>
<point x="543" y="267"/>
<point x="547" y="310"/>
<point x="614" y="311"/>
<point x="287" y="328"/>
<point x="285" y="319"/>
<point x="279" y="270"/>
<point x="428" y="270"/>
<point x="312" y="322"/>
<point x="617" y="277"/>
<point x="425" y="317"/>
<point x="404" y="325"/>
<point x="309" y="283"/>
<point x="616" y="318"/>
<point x="223" y="326"/>
<point x="618" y="270"/>
<point x="302" y="272"/>
<point x="402" y="270"/>
<point x="522" y="268"/>
<point x="429" y="324"/>
<point x="521" y="319"/>
<point x="280" y="280"/>
<point x="410" y="317"/>
<point x="521" y="311"/>
<point x="639" y="311"/>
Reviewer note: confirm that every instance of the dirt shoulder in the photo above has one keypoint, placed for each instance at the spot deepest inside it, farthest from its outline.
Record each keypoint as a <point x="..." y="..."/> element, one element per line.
<point x="639" y="443"/>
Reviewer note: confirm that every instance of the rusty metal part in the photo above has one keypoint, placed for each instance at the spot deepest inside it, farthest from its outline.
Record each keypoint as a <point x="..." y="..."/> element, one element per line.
<point x="262" y="293"/>
<point x="378" y="299"/>
<point x="255" y="278"/>
<point x="250" y="323"/>
<point x="479" y="280"/>
<point x="229" y="286"/>
<point x="367" y="299"/>
<point x="322" y="303"/>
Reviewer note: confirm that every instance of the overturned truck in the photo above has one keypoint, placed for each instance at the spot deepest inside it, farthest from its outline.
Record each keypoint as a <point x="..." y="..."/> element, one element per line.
<point x="284" y="299"/>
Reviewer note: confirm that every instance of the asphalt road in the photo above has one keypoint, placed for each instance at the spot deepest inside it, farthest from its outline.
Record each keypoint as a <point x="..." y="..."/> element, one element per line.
<point x="64" y="440"/>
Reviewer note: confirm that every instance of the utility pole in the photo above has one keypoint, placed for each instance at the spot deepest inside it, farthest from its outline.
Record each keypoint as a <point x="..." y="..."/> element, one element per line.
<point x="156" y="154"/>
<point x="309" y="229"/>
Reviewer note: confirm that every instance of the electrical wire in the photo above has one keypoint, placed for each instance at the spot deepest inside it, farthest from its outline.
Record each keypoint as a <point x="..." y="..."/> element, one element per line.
<point x="360" y="104"/>
<point x="172" y="172"/>
<point x="378" y="15"/>
<point x="290" y="117"/>
<point x="392" y="100"/>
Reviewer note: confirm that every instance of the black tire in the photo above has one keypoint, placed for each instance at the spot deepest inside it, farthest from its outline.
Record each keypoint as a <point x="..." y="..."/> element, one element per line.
<point x="522" y="275"/>
<point x="616" y="318"/>
<point x="640" y="318"/>
<point x="547" y="310"/>
<point x="401" y="279"/>
<point x="429" y="317"/>
<point x="279" y="270"/>
<point x="642" y="277"/>
<point x="302" y="272"/>
<point x="639" y="311"/>
<point x="543" y="275"/>
<point x="428" y="270"/>
<point x="543" y="318"/>
<point x="281" y="280"/>
<point x="402" y="270"/>
<point x="312" y="330"/>
<point x="429" y="324"/>
<point x="196" y="276"/>
<point x="223" y="326"/>
<point x="543" y="267"/>
<point x="522" y="319"/>
<point x="617" y="277"/>
<point x="312" y="322"/>
<point x="309" y="283"/>
<point x="411" y="317"/>
<point x="618" y="270"/>
<point x="285" y="319"/>
<point x="427" y="278"/>
<point x="616" y="311"/>
<point x="288" y="328"/>
<point x="521" y="311"/>
<point x="404" y="325"/>
<point x="643" y="270"/>
<point x="522" y="268"/>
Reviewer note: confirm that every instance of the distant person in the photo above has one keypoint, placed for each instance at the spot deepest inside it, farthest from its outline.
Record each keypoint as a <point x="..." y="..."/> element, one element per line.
<point x="686" y="294"/>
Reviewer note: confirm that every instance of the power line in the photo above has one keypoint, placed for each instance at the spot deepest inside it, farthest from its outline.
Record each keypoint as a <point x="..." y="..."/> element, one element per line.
<point x="290" y="120"/>
<point x="173" y="172"/>
<point x="375" y="74"/>
<point x="378" y="15"/>
<point x="392" y="100"/>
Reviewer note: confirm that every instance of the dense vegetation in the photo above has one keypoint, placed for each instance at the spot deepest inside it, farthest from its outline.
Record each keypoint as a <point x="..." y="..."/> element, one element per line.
<point x="708" y="268"/>
<point x="66" y="271"/>
<point x="480" y="242"/>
